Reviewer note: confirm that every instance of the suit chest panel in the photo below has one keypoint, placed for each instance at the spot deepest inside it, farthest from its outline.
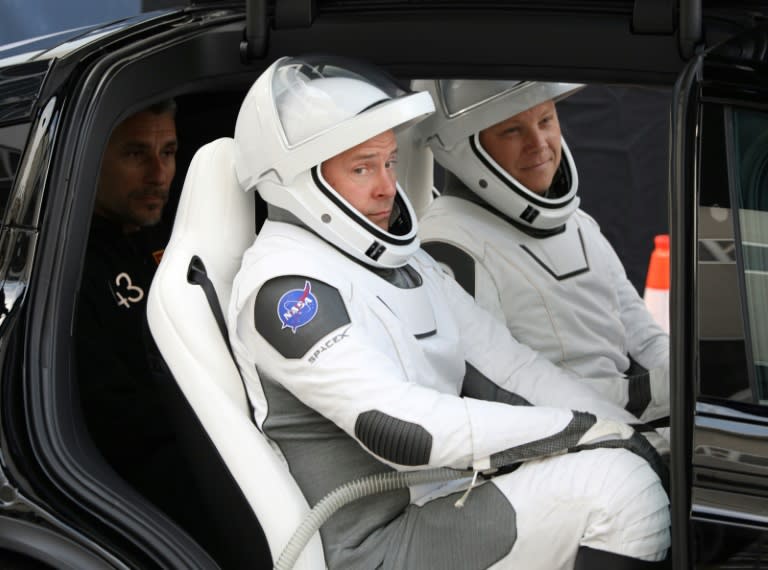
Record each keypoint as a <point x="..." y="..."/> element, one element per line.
<point x="424" y="336"/>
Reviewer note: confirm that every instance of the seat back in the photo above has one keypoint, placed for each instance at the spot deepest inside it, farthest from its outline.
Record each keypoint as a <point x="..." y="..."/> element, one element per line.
<point x="215" y="223"/>
<point x="415" y="170"/>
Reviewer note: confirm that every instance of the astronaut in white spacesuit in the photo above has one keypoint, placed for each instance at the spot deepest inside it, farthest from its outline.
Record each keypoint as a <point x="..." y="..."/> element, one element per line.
<point x="360" y="356"/>
<point x="509" y="228"/>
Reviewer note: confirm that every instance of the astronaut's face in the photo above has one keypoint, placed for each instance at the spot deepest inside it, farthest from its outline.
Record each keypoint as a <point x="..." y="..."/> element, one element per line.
<point x="527" y="146"/>
<point x="365" y="177"/>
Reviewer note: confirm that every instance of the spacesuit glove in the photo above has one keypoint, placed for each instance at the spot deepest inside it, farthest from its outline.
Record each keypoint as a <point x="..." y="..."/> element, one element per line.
<point x="606" y="430"/>
<point x="658" y="441"/>
<point x="658" y="407"/>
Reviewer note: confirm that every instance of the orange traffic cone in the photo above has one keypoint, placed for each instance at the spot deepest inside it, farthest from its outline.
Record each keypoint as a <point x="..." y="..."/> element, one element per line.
<point x="657" y="282"/>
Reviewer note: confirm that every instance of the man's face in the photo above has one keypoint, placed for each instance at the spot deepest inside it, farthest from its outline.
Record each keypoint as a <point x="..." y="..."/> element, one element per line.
<point x="137" y="169"/>
<point x="365" y="177"/>
<point x="527" y="146"/>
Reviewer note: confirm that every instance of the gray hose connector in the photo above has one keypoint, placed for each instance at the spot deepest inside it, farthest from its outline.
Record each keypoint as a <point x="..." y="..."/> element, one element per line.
<point x="349" y="492"/>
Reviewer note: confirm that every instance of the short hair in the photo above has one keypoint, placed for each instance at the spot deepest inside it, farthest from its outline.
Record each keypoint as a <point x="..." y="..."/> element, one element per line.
<point x="163" y="107"/>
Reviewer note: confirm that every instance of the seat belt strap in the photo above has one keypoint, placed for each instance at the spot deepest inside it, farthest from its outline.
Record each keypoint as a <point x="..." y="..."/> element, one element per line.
<point x="197" y="275"/>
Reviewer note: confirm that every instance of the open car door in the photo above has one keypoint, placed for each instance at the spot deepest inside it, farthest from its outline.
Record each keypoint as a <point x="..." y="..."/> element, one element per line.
<point x="719" y="215"/>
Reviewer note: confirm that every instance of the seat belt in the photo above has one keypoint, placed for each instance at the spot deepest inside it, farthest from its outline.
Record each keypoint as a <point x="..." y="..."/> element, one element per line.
<point x="198" y="275"/>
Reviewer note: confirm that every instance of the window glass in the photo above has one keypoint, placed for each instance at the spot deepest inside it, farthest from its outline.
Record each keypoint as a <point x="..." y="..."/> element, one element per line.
<point x="750" y="138"/>
<point x="11" y="143"/>
<point x="723" y="371"/>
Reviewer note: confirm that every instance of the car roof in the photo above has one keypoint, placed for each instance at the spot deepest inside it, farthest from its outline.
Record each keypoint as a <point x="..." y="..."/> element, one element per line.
<point x="62" y="43"/>
<point x="648" y="18"/>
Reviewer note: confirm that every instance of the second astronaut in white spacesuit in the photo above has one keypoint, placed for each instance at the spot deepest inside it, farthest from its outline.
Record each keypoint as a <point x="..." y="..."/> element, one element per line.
<point x="360" y="356"/>
<point x="509" y="228"/>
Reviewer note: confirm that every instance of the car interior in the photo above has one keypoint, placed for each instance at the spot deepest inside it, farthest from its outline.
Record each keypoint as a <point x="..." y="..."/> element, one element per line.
<point x="248" y="503"/>
<point x="244" y="503"/>
<point x="247" y="517"/>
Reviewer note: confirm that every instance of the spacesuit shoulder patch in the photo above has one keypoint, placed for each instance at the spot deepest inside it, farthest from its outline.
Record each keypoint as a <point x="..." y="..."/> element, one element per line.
<point x="459" y="261"/>
<point x="293" y="313"/>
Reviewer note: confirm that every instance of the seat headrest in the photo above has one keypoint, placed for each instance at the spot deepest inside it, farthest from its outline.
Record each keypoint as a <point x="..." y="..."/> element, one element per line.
<point x="215" y="219"/>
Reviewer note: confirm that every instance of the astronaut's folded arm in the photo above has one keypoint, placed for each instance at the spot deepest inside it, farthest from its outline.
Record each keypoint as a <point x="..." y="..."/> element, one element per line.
<point x="519" y="369"/>
<point x="542" y="383"/>
<point x="410" y="425"/>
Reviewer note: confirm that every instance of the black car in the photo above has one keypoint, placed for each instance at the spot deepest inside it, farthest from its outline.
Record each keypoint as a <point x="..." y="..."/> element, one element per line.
<point x="704" y="64"/>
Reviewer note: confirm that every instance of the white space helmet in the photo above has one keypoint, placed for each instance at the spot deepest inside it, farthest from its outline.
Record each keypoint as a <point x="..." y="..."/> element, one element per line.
<point x="466" y="107"/>
<point x="301" y="112"/>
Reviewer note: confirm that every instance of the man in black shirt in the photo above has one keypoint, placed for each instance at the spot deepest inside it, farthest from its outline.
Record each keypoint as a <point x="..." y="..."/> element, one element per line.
<point x="121" y="383"/>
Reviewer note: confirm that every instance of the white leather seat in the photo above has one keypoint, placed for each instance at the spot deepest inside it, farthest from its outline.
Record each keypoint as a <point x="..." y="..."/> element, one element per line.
<point x="216" y="222"/>
<point x="415" y="171"/>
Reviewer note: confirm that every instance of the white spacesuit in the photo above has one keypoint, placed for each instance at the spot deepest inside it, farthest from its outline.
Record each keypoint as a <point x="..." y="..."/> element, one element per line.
<point x="535" y="260"/>
<point x="360" y="355"/>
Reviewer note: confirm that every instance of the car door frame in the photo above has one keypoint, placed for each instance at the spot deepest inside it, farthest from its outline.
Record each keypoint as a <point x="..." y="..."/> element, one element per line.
<point x="719" y="493"/>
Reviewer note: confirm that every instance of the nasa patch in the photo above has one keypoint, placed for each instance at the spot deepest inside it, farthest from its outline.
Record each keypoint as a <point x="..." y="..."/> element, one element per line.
<point x="297" y="307"/>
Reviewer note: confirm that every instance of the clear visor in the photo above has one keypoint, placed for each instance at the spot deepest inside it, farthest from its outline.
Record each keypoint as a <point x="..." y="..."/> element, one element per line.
<point x="313" y="95"/>
<point x="460" y="95"/>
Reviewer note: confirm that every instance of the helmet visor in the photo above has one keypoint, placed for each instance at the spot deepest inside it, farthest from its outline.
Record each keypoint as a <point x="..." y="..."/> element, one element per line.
<point x="460" y="95"/>
<point x="313" y="95"/>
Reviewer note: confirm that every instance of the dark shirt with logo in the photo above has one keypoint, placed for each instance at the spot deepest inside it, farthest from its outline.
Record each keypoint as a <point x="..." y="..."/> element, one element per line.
<point x="123" y="389"/>
<point x="116" y="382"/>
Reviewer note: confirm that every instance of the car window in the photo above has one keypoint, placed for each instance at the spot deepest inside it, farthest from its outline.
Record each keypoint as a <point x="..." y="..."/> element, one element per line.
<point x="722" y="346"/>
<point x="11" y="142"/>
<point x="732" y="265"/>
<point x="750" y="138"/>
